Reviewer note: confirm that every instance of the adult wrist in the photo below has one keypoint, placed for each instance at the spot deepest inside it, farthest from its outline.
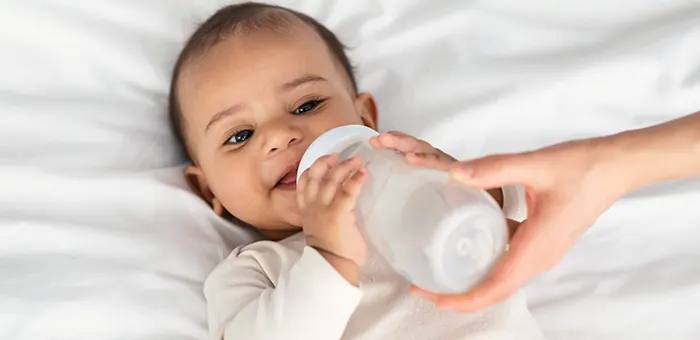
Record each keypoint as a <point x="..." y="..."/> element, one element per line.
<point x="629" y="160"/>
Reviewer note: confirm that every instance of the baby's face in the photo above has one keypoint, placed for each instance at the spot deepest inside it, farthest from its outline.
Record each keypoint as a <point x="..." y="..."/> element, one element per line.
<point x="251" y="106"/>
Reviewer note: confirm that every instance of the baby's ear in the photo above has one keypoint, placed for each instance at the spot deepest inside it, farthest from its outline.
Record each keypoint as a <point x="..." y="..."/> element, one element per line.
<point x="198" y="184"/>
<point x="367" y="108"/>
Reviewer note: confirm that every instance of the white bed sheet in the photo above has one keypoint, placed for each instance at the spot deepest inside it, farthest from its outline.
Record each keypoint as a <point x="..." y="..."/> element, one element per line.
<point x="99" y="239"/>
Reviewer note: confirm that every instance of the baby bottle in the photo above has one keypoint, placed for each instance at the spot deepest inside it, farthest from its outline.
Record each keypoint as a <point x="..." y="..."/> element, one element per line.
<point x="439" y="235"/>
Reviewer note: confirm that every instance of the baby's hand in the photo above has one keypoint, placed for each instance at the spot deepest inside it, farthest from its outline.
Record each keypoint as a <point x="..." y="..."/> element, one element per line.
<point x="416" y="151"/>
<point x="327" y="193"/>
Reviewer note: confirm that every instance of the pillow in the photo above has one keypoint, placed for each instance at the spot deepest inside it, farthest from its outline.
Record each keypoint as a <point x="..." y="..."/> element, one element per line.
<point x="99" y="238"/>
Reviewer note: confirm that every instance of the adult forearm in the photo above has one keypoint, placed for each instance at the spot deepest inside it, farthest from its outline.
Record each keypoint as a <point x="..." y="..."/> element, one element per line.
<point x="659" y="153"/>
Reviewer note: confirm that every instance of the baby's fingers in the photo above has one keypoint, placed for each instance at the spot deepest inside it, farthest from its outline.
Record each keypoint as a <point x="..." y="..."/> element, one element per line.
<point x="345" y="200"/>
<point x="315" y="174"/>
<point x="301" y="189"/>
<point x="335" y="178"/>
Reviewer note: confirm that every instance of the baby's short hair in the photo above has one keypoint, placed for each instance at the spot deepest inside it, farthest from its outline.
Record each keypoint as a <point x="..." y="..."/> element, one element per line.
<point x="244" y="17"/>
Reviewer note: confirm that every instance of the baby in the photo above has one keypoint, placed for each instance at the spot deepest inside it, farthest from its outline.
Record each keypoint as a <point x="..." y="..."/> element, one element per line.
<point x="253" y="87"/>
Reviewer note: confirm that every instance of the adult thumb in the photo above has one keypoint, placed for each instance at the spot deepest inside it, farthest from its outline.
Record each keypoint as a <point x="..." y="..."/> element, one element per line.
<point x="495" y="171"/>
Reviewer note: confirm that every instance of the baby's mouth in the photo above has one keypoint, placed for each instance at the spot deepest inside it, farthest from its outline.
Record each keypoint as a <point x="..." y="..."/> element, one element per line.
<point x="289" y="180"/>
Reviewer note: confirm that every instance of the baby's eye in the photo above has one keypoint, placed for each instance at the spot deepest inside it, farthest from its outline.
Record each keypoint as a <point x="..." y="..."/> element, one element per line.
<point x="240" y="137"/>
<point x="306" y="107"/>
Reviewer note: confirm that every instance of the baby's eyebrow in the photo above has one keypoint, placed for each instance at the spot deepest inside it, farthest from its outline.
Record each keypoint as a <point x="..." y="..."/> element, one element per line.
<point x="307" y="78"/>
<point x="223" y="114"/>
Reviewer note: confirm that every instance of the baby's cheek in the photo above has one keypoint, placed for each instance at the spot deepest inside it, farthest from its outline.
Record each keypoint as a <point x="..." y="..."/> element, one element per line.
<point x="234" y="194"/>
<point x="244" y="204"/>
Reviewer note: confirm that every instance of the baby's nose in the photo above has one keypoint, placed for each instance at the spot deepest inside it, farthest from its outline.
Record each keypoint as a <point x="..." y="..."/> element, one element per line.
<point x="282" y="139"/>
<point x="283" y="145"/>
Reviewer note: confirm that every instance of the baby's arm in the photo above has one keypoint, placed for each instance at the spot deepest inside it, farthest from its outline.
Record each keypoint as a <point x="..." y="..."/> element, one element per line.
<point x="267" y="290"/>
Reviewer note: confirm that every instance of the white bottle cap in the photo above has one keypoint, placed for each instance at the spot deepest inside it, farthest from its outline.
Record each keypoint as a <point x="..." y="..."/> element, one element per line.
<point x="332" y="141"/>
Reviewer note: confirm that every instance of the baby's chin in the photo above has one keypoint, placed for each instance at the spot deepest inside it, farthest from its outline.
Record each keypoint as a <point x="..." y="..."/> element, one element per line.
<point x="294" y="218"/>
<point x="287" y="222"/>
<point x="286" y="206"/>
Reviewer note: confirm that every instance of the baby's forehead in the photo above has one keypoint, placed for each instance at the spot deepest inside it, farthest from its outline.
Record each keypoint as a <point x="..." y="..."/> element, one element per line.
<point x="271" y="38"/>
<point x="243" y="27"/>
<point x="249" y="57"/>
<point x="267" y="22"/>
<point x="245" y="66"/>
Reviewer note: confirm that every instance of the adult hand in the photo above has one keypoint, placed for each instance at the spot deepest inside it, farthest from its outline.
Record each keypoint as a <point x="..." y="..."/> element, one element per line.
<point x="561" y="206"/>
<point x="568" y="186"/>
<point x="416" y="151"/>
<point x="421" y="153"/>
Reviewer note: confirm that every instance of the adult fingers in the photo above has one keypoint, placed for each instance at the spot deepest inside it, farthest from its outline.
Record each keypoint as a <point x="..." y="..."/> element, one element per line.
<point x="401" y="142"/>
<point x="436" y="160"/>
<point x="487" y="293"/>
<point x="512" y="227"/>
<point x="497" y="171"/>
